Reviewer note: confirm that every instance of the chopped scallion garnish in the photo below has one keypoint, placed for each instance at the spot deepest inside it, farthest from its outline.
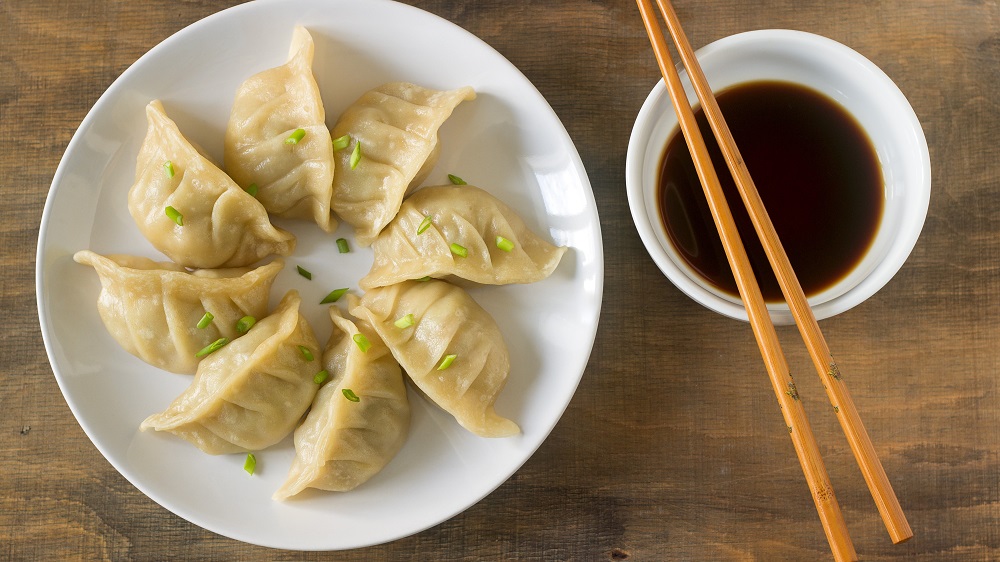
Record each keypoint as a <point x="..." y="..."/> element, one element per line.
<point x="362" y="341"/>
<point x="306" y="353"/>
<point x="212" y="347"/>
<point x="296" y="136"/>
<point x="349" y="394"/>
<point x="252" y="189"/>
<point x="340" y="143"/>
<point x="504" y="244"/>
<point x="174" y="215"/>
<point x="356" y="155"/>
<point x="423" y="279"/>
<point x="244" y="324"/>
<point x="334" y="296"/>
<point x="424" y="225"/>
<point x="206" y="320"/>
<point x="456" y="180"/>
<point x="168" y="168"/>
<point x="342" y="246"/>
<point x="404" y="321"/>
<point x="446" y="362"/>
<point x="320" y="377"/>
<point x="304" y="272"/>
<point x="250" y="464"/>
<point x="459" y="250"/>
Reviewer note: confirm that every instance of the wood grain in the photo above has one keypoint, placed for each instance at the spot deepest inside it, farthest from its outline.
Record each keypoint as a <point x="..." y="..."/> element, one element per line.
<point x="672" y="448"/>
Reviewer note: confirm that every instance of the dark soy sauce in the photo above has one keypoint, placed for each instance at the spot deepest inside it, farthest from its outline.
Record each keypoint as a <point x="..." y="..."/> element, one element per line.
<point x="817" y="174"/>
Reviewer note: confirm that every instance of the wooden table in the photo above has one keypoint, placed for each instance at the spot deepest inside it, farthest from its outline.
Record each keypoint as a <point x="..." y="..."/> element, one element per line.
<point x="672" y="447"/>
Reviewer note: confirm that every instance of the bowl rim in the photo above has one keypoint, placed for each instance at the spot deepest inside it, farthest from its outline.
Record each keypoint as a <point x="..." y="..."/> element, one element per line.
<point x="897" y="238"/>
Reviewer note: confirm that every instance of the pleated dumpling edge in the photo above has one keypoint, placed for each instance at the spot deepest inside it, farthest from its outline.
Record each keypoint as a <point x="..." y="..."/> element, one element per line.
<point x="460" y="231"/>
<point x="394" y="145"/>
<point x="154" y="309"/>
<point x="193" y="212"/>
<point x="359" y="419"/>
<point x="277" y="139"/>
<point x="250" y="393"/>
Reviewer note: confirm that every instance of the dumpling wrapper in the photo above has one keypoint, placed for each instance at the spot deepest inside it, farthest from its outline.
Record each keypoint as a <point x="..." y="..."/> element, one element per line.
<point x="397" y="125"/>
<point x="342" y="444"/>
<point x="467" y="216"/>
<point x="223" y="226"/>
<point x="250" y="393"/>
<point x="447" y="321"/>
<point x="293" y="180"/>
<point x="152" y="309"/>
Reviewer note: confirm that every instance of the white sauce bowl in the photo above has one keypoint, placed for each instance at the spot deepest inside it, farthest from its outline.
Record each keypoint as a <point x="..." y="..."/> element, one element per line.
<point x="847" y="78"/>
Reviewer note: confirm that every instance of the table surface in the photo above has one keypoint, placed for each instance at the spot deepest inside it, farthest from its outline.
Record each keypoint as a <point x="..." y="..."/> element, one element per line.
<point x="664" y="452"/>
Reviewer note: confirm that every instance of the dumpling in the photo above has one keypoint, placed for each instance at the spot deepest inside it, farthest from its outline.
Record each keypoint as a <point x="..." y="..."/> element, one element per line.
<point x="453" y="351"/>
<point x="152" y="309"/>
<point x="191" y="210"/>
<point x="397" y="125"/>
<point x="498" y="247"/>
<point x="342" y="443"/>
<point x="293" y="179"/>
<point x="250" y="393"/>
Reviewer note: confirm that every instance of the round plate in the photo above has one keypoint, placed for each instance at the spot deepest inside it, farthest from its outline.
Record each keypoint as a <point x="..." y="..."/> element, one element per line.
<point x="508" y="141"/>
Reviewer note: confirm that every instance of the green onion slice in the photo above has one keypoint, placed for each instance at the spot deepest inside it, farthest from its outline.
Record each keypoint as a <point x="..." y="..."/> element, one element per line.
<point x="212" y="347"/>
<point x="206" y="320"/>
<point x="252" y="189"/>
<point x="304" y="272"/>
<point x="342" y="246"/>
<point x="306" y="353"/>
<point x="340" y="143"/>
<point x="456" y="180"/>
<point x="250" y="464"/>
<point x="423" y="279"/>
<point x="320" y="377"/>
<point x="174" y="215"/>
<point x="356" y="155"/>
<point x="504" y="244"/>
<point x="459" y="250"/>
<point x="404" y="321"/>
<point x="334" y="296"/>
<point x="363" y="343"/>
<point x="296" y="136"/>
<point x="244" y="324"/>
<point x="168" y="168"/>
<point x="349" y="394"/>
<point x="446" y="362"/>
<point x="424" y="225"/>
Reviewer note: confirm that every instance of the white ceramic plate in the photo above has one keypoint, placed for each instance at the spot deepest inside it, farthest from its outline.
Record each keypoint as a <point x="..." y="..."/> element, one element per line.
<point x="508" y="140"/>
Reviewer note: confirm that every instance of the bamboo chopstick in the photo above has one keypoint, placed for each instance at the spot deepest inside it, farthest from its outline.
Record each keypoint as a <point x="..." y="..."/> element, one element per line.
<point x="760" y="321"/>
<point x="827" y="369"/>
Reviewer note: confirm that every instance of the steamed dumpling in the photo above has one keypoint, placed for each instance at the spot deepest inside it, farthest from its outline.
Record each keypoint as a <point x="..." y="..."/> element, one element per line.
<point x="250" y="393"/>
<point x="294" y="180"/>
<point x="214" y="222"/>
<point x="397" y="125"/>
<point x="152" y="309"/>
<point x="341" y="443"/>
<point x="473" y="219"/>
<point x="446" y="322"/>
